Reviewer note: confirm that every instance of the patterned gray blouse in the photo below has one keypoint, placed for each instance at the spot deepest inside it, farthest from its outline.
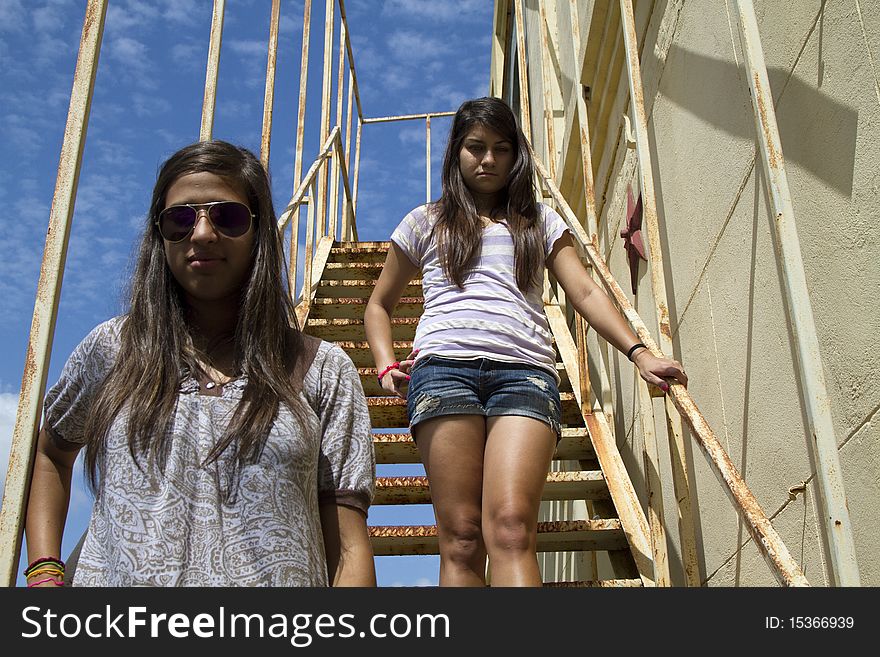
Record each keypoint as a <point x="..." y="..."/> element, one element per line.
<point x="180" y="528"/>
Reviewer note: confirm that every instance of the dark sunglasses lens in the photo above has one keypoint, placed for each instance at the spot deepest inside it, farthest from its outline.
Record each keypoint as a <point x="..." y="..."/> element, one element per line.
<point x="175" y="223"/>
<point x="232" y="219"/>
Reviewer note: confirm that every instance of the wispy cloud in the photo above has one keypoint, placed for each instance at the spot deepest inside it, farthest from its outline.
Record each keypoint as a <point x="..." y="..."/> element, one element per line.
<point x="412" y="47"/>
<point x="442" y="10"/>
<point x="12" y="15"/>
<point x="8" y="408"/>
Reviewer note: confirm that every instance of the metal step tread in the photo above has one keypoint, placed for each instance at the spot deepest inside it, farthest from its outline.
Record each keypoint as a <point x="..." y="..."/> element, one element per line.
<point x="595" y="583"/>
<point x="574" y="445"/>
<point x="554" y="536"/>
<point x="571" y="485"/>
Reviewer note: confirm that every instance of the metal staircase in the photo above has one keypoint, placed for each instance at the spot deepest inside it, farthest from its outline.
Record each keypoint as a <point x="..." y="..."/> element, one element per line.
<point x="336" y="315"/>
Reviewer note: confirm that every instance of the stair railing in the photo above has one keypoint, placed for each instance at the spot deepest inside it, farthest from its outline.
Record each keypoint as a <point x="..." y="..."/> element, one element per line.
<point x="774" y="551"/>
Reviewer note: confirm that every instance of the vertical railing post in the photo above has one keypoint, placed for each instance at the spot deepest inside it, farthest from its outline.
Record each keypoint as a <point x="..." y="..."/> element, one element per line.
<point x="213" y="68"/>
<point x="269" y="97"/>
<point x="300" y="129"/>
<point x="838" y="526"/>
<point x="325" y="110"/>
<point x="680" y="475"/>
<point x="428" y="159"/>
<point x="36" y="366"/>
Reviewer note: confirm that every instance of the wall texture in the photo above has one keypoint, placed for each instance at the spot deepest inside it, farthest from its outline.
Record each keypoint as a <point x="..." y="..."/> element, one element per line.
<point x="726" y="297"/>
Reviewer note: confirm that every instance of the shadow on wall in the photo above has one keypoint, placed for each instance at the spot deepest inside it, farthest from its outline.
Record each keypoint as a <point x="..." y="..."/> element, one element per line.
<point x="818" y="133"/>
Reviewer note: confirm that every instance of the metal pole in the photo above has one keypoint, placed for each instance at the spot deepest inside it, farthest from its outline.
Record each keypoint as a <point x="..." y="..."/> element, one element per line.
<point x="300" y="131"/>
<point x="325" y="113"/>
<point x="525" y="117"/>
<point x="680" y="476"/>
<point x="33" y="381"/>
<point x="427" y="159"/>
<point x="211" y="74"/>
<point x="268" y="99"/>
<point x="844" y="567"/>
<point x="766" y="539"/>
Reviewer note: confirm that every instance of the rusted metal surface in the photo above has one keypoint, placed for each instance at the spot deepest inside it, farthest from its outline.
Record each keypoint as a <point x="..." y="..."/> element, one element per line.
<point x="37" y="356"/>
<point x="680" y="475"/>
<point x="552" y="536"/>
<point x="336" y="162"/>
<point x="303" y="88"/>
<point x="522" y="65"/>
<point x="427" y="159"/>
<point x="406" y="117"/>
<point x="784" y="567"/>
<point x="653" y="487"/>
<point x="347" y="206"/>
<point x="838" y="526"/>
<point x="326" y="84"/>
<point x="351" y="61"/>
<point x="269" y="96"/>
<point x="300" y="138"/>
<point x="210" y="99"/>
<point x="590" y="584"/>
<point x="357" y="169"/>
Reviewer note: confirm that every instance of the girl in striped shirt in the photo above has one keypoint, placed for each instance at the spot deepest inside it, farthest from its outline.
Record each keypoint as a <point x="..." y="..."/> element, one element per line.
<point x="481" y="383"/>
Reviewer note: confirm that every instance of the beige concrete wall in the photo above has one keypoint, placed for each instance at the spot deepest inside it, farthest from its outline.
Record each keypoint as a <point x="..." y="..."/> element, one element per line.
<point x="726" y="296"/>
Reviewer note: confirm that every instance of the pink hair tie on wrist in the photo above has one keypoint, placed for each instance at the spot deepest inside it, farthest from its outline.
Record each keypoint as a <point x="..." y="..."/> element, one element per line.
<point x="43" y="581"/>
<point x="394" y="366"/>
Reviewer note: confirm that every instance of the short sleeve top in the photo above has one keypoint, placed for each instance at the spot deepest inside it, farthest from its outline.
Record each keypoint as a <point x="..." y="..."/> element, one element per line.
<point x="178" y="527"/>
<point x="491" y="317"/>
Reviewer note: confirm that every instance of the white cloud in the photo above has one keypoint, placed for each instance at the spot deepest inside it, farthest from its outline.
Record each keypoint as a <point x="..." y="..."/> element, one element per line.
<point x="47" y="19"/>
<point x="134" y="13"/>
<point x="11" y="15"/>
<point x="438" y="10"/>
<point x="187" y="11"/>
<point x="8" y="409"/>
<point x="409" y="46"/>
<point x="252" y="47"/>
<point x="421" y="581"/>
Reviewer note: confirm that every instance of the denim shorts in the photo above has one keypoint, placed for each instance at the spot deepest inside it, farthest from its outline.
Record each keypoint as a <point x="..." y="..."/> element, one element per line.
<point x="448" y="386"/>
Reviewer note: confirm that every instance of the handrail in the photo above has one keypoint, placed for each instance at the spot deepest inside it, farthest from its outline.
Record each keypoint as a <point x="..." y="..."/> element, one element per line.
<point x="777" y="556"/>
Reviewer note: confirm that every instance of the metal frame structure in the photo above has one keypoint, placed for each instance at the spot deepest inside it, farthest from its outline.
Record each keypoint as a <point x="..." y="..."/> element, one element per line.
<point x="319" y="192"/>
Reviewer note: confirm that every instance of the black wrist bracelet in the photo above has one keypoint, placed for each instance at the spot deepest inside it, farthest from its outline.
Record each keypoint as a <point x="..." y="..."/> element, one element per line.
<point x="629" y="353"/>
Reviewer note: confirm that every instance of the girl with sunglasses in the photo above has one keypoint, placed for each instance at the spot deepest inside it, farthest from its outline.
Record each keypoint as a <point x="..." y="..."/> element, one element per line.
<point x="224" y="447"/>
<point x="483" y="398"/>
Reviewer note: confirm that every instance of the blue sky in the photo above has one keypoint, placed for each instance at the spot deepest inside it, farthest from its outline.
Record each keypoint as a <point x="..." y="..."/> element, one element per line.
<point x="411" y="56"/>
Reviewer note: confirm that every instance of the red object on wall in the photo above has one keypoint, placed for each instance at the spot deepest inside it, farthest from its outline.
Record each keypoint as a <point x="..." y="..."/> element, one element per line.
<point x="632" y="237"/>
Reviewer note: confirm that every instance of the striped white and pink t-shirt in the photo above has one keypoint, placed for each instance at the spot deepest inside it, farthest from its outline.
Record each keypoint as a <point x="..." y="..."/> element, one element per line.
<point x="490" y="317"/>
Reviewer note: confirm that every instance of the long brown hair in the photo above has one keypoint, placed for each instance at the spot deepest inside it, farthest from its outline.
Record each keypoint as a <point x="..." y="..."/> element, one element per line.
<point x="459" y="229"/>
<point x="156" y="347"/>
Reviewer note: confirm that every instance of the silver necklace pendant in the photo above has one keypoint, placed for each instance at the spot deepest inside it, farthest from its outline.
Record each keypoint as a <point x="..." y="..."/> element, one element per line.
<point x="210" y="384"/>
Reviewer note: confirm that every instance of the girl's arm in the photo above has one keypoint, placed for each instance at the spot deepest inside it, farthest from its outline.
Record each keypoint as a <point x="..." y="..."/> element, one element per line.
<point x="396" y="275"/>
<point x="347" y="545"/>
<point x="595" y="306"/>
<point x="49" y="498"/>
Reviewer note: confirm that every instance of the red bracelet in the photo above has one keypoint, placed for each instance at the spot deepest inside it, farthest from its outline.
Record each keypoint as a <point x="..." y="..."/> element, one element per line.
<point x="394" y="366"/>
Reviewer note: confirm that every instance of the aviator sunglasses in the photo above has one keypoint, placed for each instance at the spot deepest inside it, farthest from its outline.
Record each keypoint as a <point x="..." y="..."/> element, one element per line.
<point x="229" y="218"/>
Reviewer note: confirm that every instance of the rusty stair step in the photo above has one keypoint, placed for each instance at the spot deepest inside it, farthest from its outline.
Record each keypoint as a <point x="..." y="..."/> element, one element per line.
<point x="554" y="536"/>
<point x="390" y="412"/>
<point x="334" y="330"/>
<point x="359" y="251"/>
<point x="361" y="288"/>
<point x="362" y="357"/>
<point x="351" y="270"/>
<point x="574" y="485"/>
<point x="353" y="307"/>
<point x="575" y="445"/>
<point x="371" y="386"/>
<point x="596" y="583"/>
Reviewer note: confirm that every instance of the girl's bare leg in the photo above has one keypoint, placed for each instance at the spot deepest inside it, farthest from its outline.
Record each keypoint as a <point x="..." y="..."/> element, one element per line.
<point x="516" y="461"/>
<point x="451" y="448"/>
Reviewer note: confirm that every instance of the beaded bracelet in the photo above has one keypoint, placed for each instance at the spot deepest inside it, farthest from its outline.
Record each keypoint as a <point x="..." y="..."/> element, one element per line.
<point x="48" y="561"/>
<point x="394" y="366"/>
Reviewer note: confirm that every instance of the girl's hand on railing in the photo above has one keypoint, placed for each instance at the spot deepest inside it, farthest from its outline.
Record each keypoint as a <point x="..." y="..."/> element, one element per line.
<point x="396" y="380"/>
<point x="654" y="370"/>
